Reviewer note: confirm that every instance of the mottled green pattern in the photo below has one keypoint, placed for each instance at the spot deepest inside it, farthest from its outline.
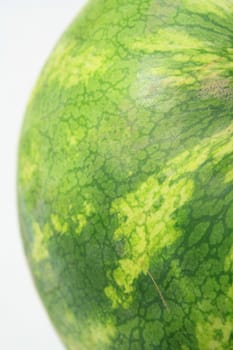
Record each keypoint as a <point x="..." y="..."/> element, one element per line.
<point x="125" y="173"/>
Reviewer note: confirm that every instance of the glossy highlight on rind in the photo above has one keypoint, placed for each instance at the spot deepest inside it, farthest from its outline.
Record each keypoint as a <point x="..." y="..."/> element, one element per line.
<point x="125" y="177"/>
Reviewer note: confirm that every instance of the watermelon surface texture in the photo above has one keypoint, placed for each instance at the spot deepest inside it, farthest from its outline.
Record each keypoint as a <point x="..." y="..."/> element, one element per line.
<point x="125" y="177"/>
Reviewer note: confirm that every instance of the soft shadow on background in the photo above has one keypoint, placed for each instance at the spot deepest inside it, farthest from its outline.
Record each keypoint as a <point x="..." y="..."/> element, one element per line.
<point x="29" y="30"/>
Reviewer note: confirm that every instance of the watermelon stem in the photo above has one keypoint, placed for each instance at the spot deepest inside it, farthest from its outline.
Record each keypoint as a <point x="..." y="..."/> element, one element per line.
<point x="159" y="291"/>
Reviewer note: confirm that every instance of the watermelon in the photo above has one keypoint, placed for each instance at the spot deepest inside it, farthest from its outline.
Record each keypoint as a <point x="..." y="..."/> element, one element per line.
<point x="125" y="177"/>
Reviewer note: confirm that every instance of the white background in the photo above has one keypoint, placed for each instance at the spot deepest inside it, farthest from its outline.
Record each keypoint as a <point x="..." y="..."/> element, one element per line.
<point x="28" y="31"/>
